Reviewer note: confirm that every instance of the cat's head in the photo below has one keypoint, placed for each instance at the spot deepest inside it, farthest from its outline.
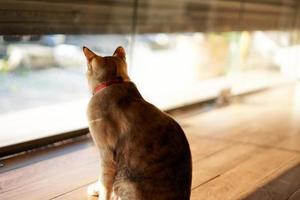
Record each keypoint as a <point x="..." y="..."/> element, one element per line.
<point x="101" y="69"/>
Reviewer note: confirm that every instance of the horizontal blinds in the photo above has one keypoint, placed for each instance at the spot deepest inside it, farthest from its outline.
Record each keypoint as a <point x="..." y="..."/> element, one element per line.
<point x="65" y="16"/>
<point x="269" y="14"/>
<point x="154" y="16"/>
<point x="216" y="15"/>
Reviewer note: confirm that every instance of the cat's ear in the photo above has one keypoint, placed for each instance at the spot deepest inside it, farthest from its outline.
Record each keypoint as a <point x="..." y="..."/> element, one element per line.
<point x="120" y="52"/>
<point x="88" y="53"/>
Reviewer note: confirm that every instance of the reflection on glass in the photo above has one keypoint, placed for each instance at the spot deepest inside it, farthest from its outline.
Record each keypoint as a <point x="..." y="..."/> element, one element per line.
<point x="41" y="70"/>
<point x="174" y="69"/>
<point x="43" y="87"/>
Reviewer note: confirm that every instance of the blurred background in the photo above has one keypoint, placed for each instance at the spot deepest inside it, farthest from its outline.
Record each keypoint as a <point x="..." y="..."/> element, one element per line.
<point x="179" y="52"/>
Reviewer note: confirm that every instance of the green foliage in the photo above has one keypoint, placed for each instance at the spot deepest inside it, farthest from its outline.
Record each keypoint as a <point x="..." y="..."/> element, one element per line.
<point x="4" y="66"/>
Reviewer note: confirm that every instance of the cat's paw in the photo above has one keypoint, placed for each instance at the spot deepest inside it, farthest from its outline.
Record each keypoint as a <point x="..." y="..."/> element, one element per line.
<point x="93" y="189"/>
<point x="114" y="196"/>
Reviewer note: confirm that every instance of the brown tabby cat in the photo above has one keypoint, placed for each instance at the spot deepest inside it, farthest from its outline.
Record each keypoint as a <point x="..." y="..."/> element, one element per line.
<point x="144" y="152"/>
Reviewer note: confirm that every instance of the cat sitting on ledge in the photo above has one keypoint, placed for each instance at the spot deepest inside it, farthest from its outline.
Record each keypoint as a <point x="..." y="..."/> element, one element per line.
<point x="144" y="153"/>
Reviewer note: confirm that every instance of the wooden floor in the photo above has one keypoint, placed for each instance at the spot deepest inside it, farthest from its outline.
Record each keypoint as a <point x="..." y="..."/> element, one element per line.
<point x="247" y="150"/>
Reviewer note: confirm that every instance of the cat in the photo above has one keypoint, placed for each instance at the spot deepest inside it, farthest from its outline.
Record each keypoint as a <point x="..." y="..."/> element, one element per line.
<point x="144" y="153"/>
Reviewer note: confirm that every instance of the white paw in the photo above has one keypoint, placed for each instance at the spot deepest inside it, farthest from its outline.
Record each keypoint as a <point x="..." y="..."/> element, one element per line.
<point x="93" y="189"/>
<point x="114" y="196"/>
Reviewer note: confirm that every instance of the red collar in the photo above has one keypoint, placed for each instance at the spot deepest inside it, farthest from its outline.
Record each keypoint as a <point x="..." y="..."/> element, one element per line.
<point x="105" y="84"/>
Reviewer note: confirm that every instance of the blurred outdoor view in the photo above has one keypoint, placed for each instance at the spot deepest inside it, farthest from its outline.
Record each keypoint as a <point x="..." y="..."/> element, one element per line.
<point x="43" y="89"/>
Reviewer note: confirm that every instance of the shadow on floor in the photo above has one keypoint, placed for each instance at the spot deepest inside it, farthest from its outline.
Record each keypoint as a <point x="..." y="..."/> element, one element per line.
<point x="284" y="187"/>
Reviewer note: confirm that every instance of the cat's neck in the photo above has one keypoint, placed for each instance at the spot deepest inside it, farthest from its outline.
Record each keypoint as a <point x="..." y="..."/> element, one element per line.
<point x="100" y="86"/>
<point x="115" y="96"/>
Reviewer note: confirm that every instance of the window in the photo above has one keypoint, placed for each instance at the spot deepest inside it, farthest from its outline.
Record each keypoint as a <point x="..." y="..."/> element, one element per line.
<point x="179" y="52"/>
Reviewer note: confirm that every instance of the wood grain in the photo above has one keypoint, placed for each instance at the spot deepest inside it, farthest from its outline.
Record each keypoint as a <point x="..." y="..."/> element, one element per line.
<point x="282" y="187"/>
<point x="247" y="176"/>
<point x="66" y="171"/>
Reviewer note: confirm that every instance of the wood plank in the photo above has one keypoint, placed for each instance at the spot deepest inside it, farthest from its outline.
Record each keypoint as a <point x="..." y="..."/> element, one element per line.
<point x="204" y="147"/>
<point x="296" y="195"/>
<point x="280" y="119"/>
<point x="229" y="157"/>
<point x="209" y="167"/>
<point x="81" y="194"/>
<point x="32" y="181"/>
<point x="205" y="168"/>
<point x="247" y="176"/>
<point x="291" y="142"/>
<point x="283" y="187"/>
<point x="78" y="194"/>
<point x="66" y="171"/>
<point x="48" y="188"/>
<point x="34" y="156"/>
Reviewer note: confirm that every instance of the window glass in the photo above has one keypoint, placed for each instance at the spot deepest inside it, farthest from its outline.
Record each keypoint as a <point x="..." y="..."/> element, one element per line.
<point x="177" y="69"/>
<point x="43" y="85"/>
<point x="179" y="52"/>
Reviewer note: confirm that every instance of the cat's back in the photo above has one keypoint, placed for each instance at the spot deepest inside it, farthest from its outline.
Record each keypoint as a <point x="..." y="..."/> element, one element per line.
<point x="154" y="153"/>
